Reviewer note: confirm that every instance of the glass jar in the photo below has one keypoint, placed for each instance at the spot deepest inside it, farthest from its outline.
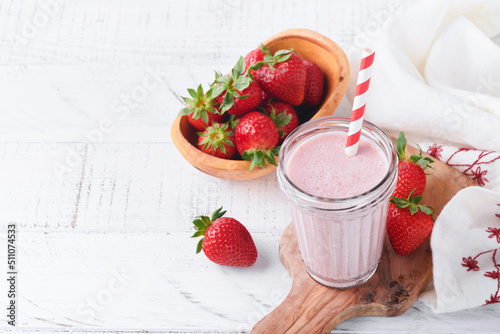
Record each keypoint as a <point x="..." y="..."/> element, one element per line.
<point x="340" y="239"/>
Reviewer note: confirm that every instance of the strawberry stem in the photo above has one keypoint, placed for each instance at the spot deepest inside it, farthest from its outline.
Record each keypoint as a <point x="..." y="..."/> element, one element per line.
<point x="280" y="120"/>
<point x="216" y="136"/>
<point x="401" y="146"/>
<point x="202" y="223"/>
<point x="199" y="104"/>
<point x="238" y="80"/>
<point x="280" y="56"/>
<point x="419" y="159"/>
<point x="258" y="157"/>
<point x="412" y="204"/>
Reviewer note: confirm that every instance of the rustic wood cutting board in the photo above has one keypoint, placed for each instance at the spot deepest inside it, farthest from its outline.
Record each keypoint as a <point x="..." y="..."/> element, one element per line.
<point x="313" y="308"/>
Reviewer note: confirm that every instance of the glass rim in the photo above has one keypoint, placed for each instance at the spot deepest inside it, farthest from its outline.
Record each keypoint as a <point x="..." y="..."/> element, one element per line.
<point x="325" y="120"/>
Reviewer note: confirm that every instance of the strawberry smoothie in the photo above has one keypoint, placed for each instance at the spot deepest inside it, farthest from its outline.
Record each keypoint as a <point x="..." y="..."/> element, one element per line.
<point x="339" y="203"/>
<point x="320" y="166"/>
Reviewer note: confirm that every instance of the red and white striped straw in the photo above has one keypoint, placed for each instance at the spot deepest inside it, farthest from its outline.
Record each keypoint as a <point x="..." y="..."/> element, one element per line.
<point x="359" y="103"/>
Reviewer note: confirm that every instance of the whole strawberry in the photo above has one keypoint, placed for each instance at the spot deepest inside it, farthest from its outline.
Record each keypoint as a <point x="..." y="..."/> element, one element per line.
<point x="218" y="140"/>
<point x="411" y="174"/>
<point x="226" y="241"/>
<point x="313" y="94"/>
<point x="282" y="76"/>
<point x="202" y="109"/>
<point x="408" y="224"/>
<point x="256" y="139"/>
<point x="283" y="116"/>
<point x="237" y="93"/>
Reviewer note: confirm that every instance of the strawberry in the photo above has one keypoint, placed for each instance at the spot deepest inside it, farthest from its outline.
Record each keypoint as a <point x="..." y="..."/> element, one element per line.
<point x="237" y="93"/>
<point x="283" y="116"/>
<point x="201" y="109"/>
<point x="217" y="140"/>
<point x="282" y="76"/>
<point x="411" y="175"/>
<point x="313" y="94"/>
<point x="256" y="139"/>
<point x="226" y="241"/>
<point x="408" y="223"/>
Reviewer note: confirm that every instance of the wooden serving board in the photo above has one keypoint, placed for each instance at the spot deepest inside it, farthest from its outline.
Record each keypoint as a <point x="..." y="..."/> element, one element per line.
<point x="313" y="308"/>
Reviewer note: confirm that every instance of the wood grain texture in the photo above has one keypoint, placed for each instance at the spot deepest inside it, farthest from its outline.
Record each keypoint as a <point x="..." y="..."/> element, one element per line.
<point x="309" y="45"/>
<point x="313" y="308"/>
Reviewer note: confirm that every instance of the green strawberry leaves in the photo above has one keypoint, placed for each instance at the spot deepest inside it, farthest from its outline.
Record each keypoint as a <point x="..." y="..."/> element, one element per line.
<point x="199" y="246"/>
<point x="218" y="214"/>
<point x="199" y="104"/>
<point x="202" y="223"/>
<point x="281" y="120"/>
<point x="231" y="85"/>
<point x="265" y="50"/>
<point x="240" y="84"/>
<point x="186" y="111"/>
<point x="233" y="121"/>
<point x="239" y="68"/>
<point x="258" y="157"/>
<point x="216" y="136"/>
<point x="401" y="146"/>
<point x="227" y="102"/>
<point x="412" y="203"/>
<point x="419" y="159"/>
<point x="280" y="56"/>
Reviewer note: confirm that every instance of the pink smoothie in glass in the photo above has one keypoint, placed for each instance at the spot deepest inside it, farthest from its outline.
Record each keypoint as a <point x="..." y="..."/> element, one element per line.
<point x="320" y="166"/>
<point x="342" y="246"/>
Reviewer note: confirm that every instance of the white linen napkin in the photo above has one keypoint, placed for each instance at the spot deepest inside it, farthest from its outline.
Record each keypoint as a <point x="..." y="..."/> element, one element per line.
<point x="466" y="262"/>
<point x="436" y="76"/>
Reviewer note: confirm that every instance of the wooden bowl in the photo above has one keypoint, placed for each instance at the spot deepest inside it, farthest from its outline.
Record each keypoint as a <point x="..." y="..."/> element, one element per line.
<point x="309" y="45"/>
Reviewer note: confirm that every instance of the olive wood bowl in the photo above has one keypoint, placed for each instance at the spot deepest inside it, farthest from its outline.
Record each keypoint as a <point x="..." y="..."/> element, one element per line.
<point x="309" y="45"/>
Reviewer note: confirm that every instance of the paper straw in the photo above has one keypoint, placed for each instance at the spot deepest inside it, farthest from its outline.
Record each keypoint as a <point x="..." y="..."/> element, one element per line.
<point x="359" y="103"/>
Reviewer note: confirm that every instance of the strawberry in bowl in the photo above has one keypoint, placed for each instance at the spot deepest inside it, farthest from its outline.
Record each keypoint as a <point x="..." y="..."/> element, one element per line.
<point x="256" y="81"/>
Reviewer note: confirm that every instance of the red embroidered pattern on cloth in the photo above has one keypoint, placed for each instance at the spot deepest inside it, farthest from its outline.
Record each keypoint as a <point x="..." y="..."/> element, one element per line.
<point x="477" y="174"/>
<point x="472" y="170"/>
<point x="435" y="151"/>
<point x="471" y="264"/>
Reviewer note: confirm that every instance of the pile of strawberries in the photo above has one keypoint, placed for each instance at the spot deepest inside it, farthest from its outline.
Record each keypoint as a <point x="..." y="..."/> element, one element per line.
<point x="259" y="95"/>
<point x="409" y="224"/>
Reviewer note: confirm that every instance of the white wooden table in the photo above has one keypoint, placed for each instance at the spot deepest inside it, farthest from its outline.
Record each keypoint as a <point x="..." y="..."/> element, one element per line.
<point x="100" y="195"/>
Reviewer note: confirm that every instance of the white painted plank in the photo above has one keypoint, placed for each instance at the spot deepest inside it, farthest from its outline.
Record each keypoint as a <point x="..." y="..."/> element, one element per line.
<point x="140" y="280"/>
<point x="32" y="196"/>
<point x="92" y="103"/>
<point x="155" y="281"/>
<point x="124" y="187"/>
<point x="185" y="32"/>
